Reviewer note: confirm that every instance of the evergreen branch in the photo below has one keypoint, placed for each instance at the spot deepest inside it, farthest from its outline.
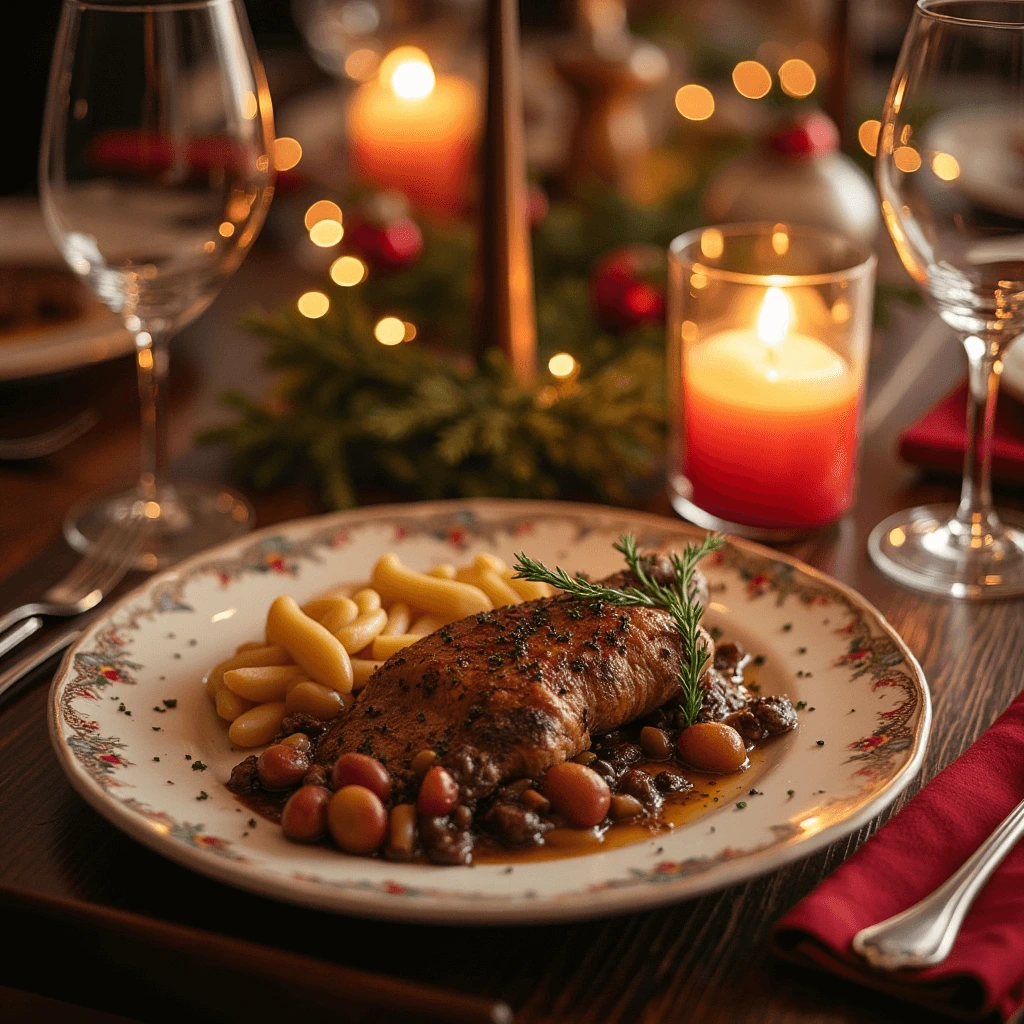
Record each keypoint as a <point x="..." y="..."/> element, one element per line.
<point x="676" y="598"/>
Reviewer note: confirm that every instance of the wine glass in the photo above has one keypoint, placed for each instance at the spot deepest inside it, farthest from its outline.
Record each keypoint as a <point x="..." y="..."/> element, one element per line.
<point x="155" y="178"/>
<point x="950" y="171"/>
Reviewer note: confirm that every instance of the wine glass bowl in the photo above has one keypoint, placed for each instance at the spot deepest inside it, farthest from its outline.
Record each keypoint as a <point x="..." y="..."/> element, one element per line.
<point x="950" y="172"/>
<point x="155" y="178"/>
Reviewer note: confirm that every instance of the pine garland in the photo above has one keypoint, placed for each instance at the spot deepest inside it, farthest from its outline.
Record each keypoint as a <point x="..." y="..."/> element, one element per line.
<point x="352" y="415"/>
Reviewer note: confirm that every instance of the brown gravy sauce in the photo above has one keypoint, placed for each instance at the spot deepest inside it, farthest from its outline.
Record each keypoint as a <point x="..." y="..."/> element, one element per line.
<point x="708" y="794"/>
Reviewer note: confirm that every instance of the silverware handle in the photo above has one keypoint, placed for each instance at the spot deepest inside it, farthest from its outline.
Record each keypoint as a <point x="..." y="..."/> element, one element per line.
<point x="924" y="934"/>
<point x="32" y="661"/>
<point x="17" y="614"/>
<point x="20" y="634"/>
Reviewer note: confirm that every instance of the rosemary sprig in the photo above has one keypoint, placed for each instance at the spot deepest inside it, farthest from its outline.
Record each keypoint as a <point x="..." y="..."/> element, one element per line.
<point x="677" y="598"/>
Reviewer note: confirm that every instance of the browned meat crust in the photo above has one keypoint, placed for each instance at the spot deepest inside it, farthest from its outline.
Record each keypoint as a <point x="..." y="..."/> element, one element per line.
<point x="506" y="694"/>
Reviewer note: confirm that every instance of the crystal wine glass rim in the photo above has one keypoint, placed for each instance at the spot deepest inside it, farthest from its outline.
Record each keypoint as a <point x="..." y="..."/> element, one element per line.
<point x="933" y="9"/>
<point x="863" y="260"/>
<point x="150" y="8"/>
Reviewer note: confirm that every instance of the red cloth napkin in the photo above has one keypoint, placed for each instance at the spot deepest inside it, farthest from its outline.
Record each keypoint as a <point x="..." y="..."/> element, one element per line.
<point x="938" y="440"/>
<point x="912" y="855"/>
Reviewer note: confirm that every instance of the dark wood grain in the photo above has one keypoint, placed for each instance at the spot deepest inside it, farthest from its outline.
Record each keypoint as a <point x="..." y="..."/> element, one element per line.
<point x="704" y="961"/>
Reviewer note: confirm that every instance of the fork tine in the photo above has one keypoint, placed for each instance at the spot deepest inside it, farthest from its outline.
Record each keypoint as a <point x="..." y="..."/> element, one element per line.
<point x="107" y="551"/>
<point x="123" y="559"/>
<point x="113" y="552"/>
<point x="98" y="555"/>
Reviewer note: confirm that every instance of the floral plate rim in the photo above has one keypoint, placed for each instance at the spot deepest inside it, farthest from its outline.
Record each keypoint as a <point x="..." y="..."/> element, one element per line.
<point x="675" y="881"/>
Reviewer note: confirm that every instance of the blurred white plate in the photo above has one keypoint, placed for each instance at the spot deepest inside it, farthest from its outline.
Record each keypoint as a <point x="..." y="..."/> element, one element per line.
<point x="93" y="337"/>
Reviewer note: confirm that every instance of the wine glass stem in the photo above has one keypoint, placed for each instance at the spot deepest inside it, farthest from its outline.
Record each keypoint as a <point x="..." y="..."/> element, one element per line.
<point x="975" y="512"/>
<point x="151" y="360"/>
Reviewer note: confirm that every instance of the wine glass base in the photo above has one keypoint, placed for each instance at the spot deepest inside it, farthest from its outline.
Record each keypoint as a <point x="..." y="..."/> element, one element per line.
<point x="918" y="548"/>
<point x="189" y="517"/>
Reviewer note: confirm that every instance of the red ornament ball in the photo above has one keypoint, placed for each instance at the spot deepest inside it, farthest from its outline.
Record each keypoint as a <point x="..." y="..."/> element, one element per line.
<point x="627" y="287"/>
<point x="811" y="135"/>
<point x="390" y="246"/>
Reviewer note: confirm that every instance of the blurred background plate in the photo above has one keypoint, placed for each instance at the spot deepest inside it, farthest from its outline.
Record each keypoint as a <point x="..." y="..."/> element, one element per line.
<point x="48" y="322"/>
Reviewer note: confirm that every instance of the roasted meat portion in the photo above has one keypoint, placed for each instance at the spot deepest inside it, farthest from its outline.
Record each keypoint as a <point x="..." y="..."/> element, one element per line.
<point x="505" y="695"/>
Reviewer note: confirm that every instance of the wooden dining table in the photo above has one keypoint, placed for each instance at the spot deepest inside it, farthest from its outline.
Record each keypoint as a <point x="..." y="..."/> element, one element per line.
<point x="100" y="926"/>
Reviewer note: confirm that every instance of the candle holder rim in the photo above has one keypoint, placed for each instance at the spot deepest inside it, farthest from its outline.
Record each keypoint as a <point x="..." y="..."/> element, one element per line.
<point x="933" y="9"/>
<point x="865" y="262"/>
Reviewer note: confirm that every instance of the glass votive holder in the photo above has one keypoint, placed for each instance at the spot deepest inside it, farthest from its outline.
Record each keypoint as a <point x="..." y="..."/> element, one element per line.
<point x="768" y="334"/>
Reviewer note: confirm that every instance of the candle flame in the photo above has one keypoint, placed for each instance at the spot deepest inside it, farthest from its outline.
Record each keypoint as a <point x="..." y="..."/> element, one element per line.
<point x="773" y="320"/>
<point x="408" y="73"/>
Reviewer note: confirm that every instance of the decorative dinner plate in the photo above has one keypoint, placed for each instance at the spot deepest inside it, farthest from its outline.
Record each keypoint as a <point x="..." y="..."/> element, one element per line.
<point x="93" y="337"/>
<point x="139" y="739"/>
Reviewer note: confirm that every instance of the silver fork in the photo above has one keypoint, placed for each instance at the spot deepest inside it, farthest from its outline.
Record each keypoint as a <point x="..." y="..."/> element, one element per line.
<point x="112" y="554"/>
<point x="39" y="445"/>
<point x="924" y="934"/>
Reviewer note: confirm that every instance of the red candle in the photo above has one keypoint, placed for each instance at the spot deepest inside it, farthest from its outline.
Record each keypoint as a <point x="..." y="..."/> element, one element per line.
<point x="414" y="132"/>
<point x="770" y="425"/>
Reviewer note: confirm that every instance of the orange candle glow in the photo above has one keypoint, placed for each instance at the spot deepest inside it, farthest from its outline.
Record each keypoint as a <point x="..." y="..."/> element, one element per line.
<point x="415" y="132"/>
<point x="770" y="421"/>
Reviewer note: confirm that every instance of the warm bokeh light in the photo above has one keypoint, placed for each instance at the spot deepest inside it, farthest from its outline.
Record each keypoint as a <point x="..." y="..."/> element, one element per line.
<point x="905" y="133"/>
<point x="326" y="233"/>
<point x="752" y="79"/>
<point x="698" y="280"/>
<point x="408" y="72"/>
<point x="780" y="241"/>
<point x="322" y="209"/>
<point x="239" y="207"/>
<point x="362" y="64"/>
<point x="389" y="331"/>
<point x="841" y="311"/>
<point x="867" y="136"/>
<point x="695" y="102"/>
<point x="249" y="106"/>
<point x="348" y="271"/>
<point x="946" y="166"/>
<point x="410" y="331"/>
<point x="313" y="304"/>
<point x="797" y="78"/>
<point x="688" y="331"/>
<point x="562" y="365"/>
<point x="226" y="229"/>
<point x="712" y="243"/>
<point x="287" y="153"/>
<point x="907" y="159"/>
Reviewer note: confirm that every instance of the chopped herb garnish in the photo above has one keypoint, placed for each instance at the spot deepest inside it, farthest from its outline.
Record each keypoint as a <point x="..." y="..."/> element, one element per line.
<point x="156" y="758"/>
<point x="203" y="795"/>
<point x="156" y="728"/>
<point x="252" y="823"/>
<point x="821" y="743"/>
<point x="159" y="710"/>
<point x="801" y="650"/>
<point x="801" y="704"/>
<point x="198" y="766"/>
<point x="790" y="792"/>
<point x="741" y="804"/>
<point x="787" y="626"/>
<point x="676" y="598"/>
<point x="172" y="703"/>
<point x="812" y="709"/>
<point x="759" y="659"/>
<point x="188" y="757"/>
